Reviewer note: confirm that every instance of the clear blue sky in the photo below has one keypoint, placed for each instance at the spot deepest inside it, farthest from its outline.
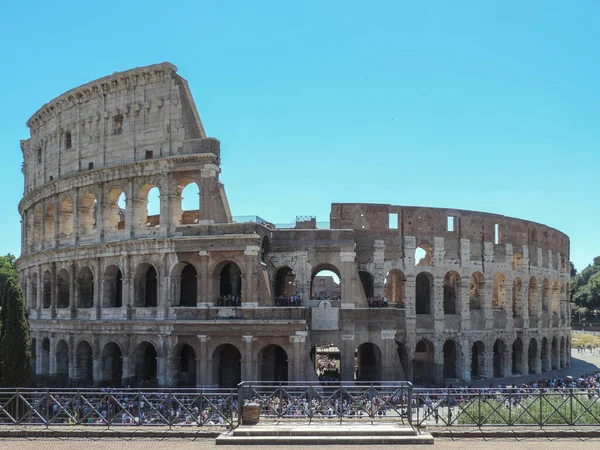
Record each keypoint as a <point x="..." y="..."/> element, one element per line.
<point x="491" y="106"/>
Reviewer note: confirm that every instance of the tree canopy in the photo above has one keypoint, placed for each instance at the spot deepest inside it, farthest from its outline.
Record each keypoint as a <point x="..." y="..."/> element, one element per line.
<point x="585" y="286"/>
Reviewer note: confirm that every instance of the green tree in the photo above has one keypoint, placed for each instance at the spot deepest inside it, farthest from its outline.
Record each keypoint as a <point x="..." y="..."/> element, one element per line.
<point x="15" y="345"/>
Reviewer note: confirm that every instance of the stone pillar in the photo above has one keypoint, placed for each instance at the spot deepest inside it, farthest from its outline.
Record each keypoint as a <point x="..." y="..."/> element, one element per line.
<point x="465" y="368"/>
<point x="52" y="354"/>
<point x="208" y="183"/>
<point x="204" y="293"/>
<point x="96" y="360"/>
<point x="348" y="281"/>
<point x="73" y="292"/>
<point x="295" y="369"/>
<point x="249" y="293"/>
<point x="347" y="355"/>
<point x="128" y="291"/>
<point x="40" y="292"/>
<point x="75" y="234"/>
<point x="409" y="296"/>
<point x="508" y="304"/>
<point x="72" y="357"/>
<point x="38" y="355"/>
<point x="203" y="378"/>
<point x="161" y="371"/>
<point x="379" y="260"/>
<point x="465" y="304"/>
<point x="98" y="294"/>
<point x="507" y="366"/>
<point x="53" y="291"/>
<point x="56" y="222"/>
<point x="438" y="360"/>
<point x="248" y="372"/>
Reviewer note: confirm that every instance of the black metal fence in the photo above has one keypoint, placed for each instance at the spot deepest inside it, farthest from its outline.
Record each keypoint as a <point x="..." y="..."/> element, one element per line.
<point x="305" y="401"/>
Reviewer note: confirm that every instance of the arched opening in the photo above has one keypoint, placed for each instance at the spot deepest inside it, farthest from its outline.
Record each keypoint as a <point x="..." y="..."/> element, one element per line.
<point x="424" y="255"/>
<point x="45" y="356"/>
<point x="47" y="290"/>
<point x="145" y="364"/>
<point x="62" y="363"/>
<point x="115" y="210"/>
<point x="273" y="363"/>
<point x="185" y="365"/>
<point x="556" y="292"/>
<point x="562" y="301"/>
<point x="545" y="295"/>
<point x="66" y="217"/>
<point x="113" y="287"/>
<point x="85" y="285"/>
<point x="63" y="281"/>
<point x="227" y="366"/>
<point x="451" y="369"/>
<point x="424" y="363"/>
<point x="36" y="231"/>
<point x="451" y="287"/>
<point x="285" y="287"/>
<point x="478" y="360"/>
<point x="368" y="283"/>
<point x="424" y="291"/>
<point x="533" y="303"/>
<point x="87" y="214"/>
<point x="517" y="297"/>
<point x="394" y="288"/>
<point x="325" y="283"/>
<point x="555" y="355"/>
<point x="476" y="291"/>
<point x="499" y="291"/>
<point x="498" y="358"/>
<point x="517" y="261"/>
<point x="151" y="215"/>
<point x="49" y="224"/>
<point x="112" y="365"/>
<point x="532" y="356"/>
<point x="33" y="296"/>
<point x="230" y="285"/>
<point x="84" y="364"/>
<point x="517" y="357"/>
<point x="147" y="286"/>
<point x="368" y="362"/>
<point x="545" y="355"/>
<point x="188" y="293"/>
<point x="190" y="203"/>
<point x="326" y="359"/>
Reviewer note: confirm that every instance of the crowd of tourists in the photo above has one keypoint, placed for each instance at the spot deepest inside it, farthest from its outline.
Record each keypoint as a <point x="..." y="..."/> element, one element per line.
<point x="287" y="300"/>
<point x="229" y="300"/>
<point x="377" y="302"/>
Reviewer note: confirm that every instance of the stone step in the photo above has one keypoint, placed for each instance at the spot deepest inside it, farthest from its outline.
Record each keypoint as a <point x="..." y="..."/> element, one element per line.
<point x="324" y="430"/>
<point x="420" y="439"/>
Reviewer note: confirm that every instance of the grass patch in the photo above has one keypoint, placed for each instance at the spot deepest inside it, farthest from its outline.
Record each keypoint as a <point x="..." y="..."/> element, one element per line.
<point x="579" y="340"/>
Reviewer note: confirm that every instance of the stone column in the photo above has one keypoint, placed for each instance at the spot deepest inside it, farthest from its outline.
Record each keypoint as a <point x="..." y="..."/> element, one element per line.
<point x="507" y="366"/>
<point x="52" y="354"/>
<point x="72" y="356"/>
<point x="73" y="291"/>
<point x="295" y="368"/>
<point x="204" y="294"/>
<point x="525" y="298"/>
<point x="128" y="291"/>
<point x="208" y="183"/>
<point x="38" y="355"/>
<point x="98" y="294"/>
<point x="249" y="294"/>
<point x="40" y="291"/>
<point x="248" y="372"/>
<point x="56" y="222"/>
<point x="53" y="291"/>
<point x="349" y="282"/>
<point x="438" y="360"/>
<point x="347" y="355"/>
<point x="465" y="305"/>
<point x="75" y="234"/>
<point x="508" y="304"/>
<point x="409" y="296"/>
<point x="202" y="374"/>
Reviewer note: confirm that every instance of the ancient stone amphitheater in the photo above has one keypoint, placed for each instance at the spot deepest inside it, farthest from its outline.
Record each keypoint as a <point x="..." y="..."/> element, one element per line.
<point x="118" y="295"/>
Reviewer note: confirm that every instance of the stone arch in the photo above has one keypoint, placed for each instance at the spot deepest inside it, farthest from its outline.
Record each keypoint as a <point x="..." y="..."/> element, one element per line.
<point x="285" y="281"/>
<point x="85" y="285"/>
<point x="517" y="297"/>
<point x="555" y="355"/>
<point x="45" y="346"/>
<point x="115" y="210"/>
<point x="46" y="290"/>
<point x="84" y="364"/>
<point x="533" y="297"/>
<point x="184" y="365"/>
<point x="517" y="262"/>
<point x="394" y="287"/>
<point x="36" y="230"/>
<point x="517" y="357"/>
<point x="63" y="282"/>
<point x="451" y="290"/>
<point x="187" y="202"/>
<point x="33" y="294"/>
<point x="368" y="362"/>
<point x="112" y="364"/>
<point x="62" y="361"/>
<point x="229" y="276"/>
<point x="532" y="356"/>
<point x="424" y="369"/>
<point x="451" y="351"/>
<point x="145" y="364"/>
<point x="188" y="286"/>
<point x="563" y="301"/>
<point x="424" y="255"/>
<point x="146" y="283"/>
<point x="498" y="360"/>
<point x="49" y="223"/>
<point x="87" y="213"/>
<point x="545" y="355"/>
<point x="499" y="291"/>
<point x="146" y="211"/>
<point x="555" y="299"/>
<point x="273" y="363"/>
<point x="113" y="287"/>
<point x="324" y="286"/>
<point x="476" y="291"/>
<point x="66" y="217"/>
<point x="424" y="293"/>
<point x="368" y="283"/>
<point x="545" y="295"/>
<point x="478" y="360"/>
<point x="227" y="366"/>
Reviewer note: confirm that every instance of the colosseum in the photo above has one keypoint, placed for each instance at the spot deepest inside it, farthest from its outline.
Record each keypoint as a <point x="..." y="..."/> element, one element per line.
<point x="119" y="295"/>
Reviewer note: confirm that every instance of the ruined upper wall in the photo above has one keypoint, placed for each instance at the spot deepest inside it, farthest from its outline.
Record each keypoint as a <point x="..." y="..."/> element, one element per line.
<point x="143" y="113"/>
<point x="426" y="223"/>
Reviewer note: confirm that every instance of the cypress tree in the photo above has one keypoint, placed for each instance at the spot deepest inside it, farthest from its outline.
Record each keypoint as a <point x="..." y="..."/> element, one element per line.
<point x="15" y="345"/>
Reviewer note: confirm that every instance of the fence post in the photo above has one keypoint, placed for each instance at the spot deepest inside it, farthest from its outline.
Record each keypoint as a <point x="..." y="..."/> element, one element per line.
<point x="541" y="410"/>
<point x="479" y="421"/>
<point x="571" y="408"/>
<point x="240" y="402"/>
<point x="409" y="406"/>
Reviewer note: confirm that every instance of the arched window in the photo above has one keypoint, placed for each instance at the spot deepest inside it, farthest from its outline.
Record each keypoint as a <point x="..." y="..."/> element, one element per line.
<point x="188" y="295"/>
<point x="115" y="210"/>
<point x="451" y="288"/>
<point x="499" y="291"/>
<point x="189" y="203"/>
<point x="66" y="217"/>
<point x="64" y="292"/>
<point x="85" y="283"/>
<point x="87" y="213"/>
<point x="424" y="291"/>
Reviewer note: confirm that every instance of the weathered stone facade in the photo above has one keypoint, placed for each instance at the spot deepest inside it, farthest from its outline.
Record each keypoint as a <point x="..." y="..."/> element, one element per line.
<point x="188" y="297"/>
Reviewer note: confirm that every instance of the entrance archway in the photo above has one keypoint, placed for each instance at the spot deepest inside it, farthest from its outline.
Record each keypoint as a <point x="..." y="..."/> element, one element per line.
<point x="424" y="290"/>
<point x="451" y="287"/>
<point x="184" y="363"/>
<point x="517" y="357"/>
<point x="113" y="287"/>
<point x="498" y="358"/>
<point x="227" y="366"/>
<point x="230" y="284"/>
<point x="145" y="364"/>
<point x="85" y="283"/>
<point x="325" y="283"/>
<point x="368" y="362"/>
<point x="326" y="359"/>
<point x="64" y="292"/>
<point x="532" y="356"/>
<point x="285" y="287"/>
<point x="451" y="359"/>
<point x="424" y="363"/>
<point x="112" y="364"/>
<point x="188" y="288"/>
<point x="84" y="364"/>
<point x="273" y="363"/>
<point x="147" y="286"/>
<point x="478" y="360"/>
